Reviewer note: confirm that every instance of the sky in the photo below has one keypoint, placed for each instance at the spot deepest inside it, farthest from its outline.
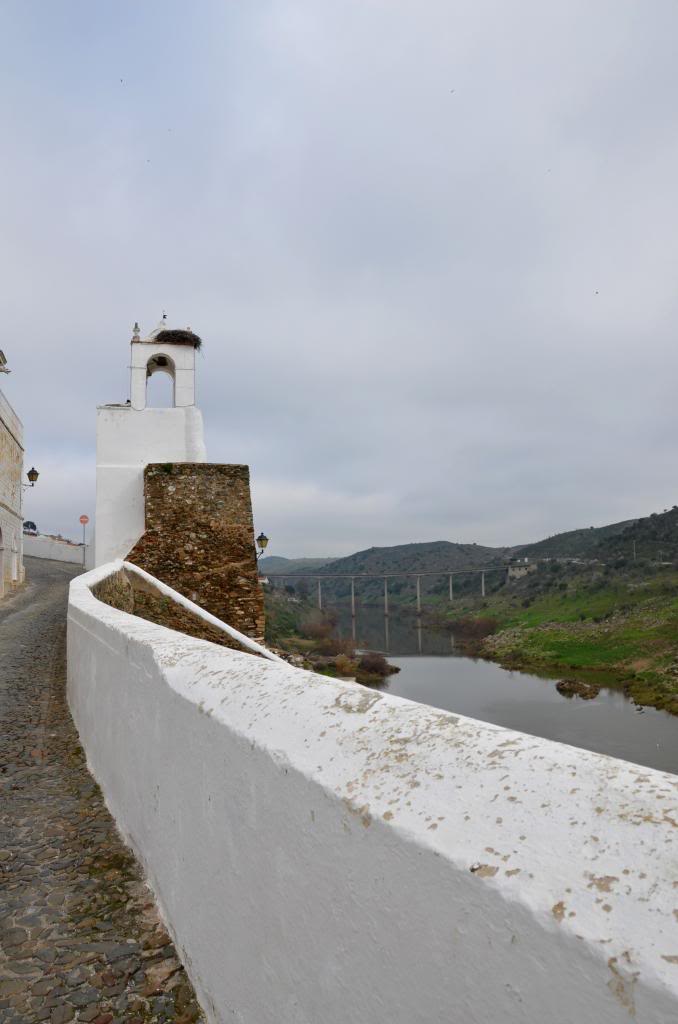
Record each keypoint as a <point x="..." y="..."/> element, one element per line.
<point x="431" y="249"/>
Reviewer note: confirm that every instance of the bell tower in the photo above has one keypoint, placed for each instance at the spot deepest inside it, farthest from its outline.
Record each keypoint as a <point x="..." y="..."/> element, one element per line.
<point x="164" y="351"/>
<point x="131" y="435"/>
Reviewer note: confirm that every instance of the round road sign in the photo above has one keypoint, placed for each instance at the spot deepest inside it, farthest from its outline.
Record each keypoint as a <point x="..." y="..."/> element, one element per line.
<point x="84" y="520"/>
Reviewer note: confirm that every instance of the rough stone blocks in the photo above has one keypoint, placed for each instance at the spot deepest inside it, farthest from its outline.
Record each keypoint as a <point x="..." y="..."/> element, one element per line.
<point x="199" y="539"/>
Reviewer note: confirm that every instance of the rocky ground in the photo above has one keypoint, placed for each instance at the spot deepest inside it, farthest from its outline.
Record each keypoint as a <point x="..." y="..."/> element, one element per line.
<point x="80" y="937"/>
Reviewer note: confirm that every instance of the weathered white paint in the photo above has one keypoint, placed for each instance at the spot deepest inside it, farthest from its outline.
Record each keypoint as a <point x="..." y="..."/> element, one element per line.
<point x="191" y="606"/>
<point x="11" y="471"/>
<point x="131" y="436"/>
<point x="326" y="853"/>
<point x="49" y="547"/>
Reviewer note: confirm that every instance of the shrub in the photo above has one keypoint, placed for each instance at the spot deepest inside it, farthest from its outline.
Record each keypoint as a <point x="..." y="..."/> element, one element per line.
<point x="475" y="629"/>
<point x="374" y="664"/>
<point x="345" y="667"/>
<point x="336" y="645"/>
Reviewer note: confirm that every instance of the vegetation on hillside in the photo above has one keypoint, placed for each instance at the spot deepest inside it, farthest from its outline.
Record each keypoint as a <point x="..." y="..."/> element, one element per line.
<point x="605" y="611"/>
<point x="574" y="543"/>
<point x="615" y="624"/>
<point x="278" y="564"/>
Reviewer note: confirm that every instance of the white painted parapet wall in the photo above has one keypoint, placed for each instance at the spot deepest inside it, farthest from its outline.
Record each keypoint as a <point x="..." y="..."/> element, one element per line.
<point x="41" y="546"/>
<point x="325" y="854"/>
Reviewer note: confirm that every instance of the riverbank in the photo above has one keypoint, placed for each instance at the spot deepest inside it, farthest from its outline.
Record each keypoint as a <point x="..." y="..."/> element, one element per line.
<point x="624" y="633"/>
<point x="613" y="625"/>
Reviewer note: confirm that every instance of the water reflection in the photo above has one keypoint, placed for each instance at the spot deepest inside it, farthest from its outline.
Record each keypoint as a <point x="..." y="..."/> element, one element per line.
<point x="431" y="673"/>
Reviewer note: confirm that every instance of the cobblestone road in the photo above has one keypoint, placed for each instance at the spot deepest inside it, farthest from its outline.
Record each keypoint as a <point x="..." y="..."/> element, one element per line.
<point x="80" y="939"/>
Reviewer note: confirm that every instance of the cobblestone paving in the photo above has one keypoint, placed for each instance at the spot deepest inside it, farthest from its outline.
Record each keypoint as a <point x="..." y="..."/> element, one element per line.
<point x="80" y="938"/>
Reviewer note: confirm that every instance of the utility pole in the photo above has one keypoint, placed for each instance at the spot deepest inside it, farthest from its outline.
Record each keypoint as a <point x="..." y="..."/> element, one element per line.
<point x="634" y="551"/>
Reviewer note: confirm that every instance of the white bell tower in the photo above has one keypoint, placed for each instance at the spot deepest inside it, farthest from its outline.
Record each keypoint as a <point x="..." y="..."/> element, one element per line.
<point x="131" y="435"/>
<point x="164" y="351"/>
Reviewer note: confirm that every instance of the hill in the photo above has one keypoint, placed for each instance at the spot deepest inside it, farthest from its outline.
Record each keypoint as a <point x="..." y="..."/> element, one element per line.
<point x="573" y="543"/>
<point x="422" y="557"/>
<point x="278" y="564"/>
<point x="654" y="538"/>
<point x="434" y="556"/>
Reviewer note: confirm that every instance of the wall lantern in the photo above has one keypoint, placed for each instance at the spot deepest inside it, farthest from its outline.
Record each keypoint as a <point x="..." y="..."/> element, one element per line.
<point x="32" y="475"/>
<point x="262" y="542"/>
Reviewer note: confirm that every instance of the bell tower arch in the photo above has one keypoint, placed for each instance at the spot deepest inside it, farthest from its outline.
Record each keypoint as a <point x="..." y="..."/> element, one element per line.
<point x="165" y="350"/>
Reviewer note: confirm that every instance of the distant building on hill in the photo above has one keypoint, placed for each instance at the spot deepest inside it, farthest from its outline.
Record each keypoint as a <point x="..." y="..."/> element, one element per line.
<point x="11" y="469"/>
<point x="516" y="572"/>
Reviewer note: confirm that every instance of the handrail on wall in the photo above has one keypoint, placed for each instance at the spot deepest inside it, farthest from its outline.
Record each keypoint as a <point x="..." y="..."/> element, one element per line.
<point x="191" y="606"/>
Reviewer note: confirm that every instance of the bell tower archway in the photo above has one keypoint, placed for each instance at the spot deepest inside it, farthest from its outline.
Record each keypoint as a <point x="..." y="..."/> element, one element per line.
<point x="169" y="351"/>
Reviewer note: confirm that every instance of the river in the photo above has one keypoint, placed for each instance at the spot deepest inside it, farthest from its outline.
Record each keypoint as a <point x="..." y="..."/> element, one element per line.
<point x="610" y="723"/>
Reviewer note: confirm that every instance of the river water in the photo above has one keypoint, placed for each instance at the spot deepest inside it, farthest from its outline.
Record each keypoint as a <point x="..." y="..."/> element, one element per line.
<point x="610" y="724"/>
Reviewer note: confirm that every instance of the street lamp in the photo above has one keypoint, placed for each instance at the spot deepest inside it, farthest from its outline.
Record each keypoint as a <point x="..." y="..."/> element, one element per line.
<point x="32" y="475"/>
<point x="262" y="542"/>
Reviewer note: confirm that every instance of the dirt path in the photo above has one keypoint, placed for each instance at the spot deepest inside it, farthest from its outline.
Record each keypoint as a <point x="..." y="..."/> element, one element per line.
<point x="80" y="939"/>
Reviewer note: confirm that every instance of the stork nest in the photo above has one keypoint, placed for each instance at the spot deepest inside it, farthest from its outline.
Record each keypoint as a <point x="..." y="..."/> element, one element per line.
<point x="170" y="337"/>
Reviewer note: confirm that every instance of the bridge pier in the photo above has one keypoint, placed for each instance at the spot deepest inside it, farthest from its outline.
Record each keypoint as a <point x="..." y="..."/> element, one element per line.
<point x="451" y="589"/>
<point x="320" y="594"/>
<point x="353" y="634"/>
<point x="482" y="583"/>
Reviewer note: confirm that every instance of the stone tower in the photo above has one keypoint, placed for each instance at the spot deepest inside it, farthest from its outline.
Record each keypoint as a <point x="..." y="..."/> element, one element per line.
<point x="131" y="436"/>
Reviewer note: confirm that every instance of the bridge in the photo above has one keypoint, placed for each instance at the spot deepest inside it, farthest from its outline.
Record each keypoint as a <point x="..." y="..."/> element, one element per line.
<point x="386" y="576"/>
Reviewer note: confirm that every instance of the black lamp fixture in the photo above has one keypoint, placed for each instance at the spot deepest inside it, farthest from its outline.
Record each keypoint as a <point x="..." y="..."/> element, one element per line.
<point x="32" y="475"/>
<point x="262" y="542"/>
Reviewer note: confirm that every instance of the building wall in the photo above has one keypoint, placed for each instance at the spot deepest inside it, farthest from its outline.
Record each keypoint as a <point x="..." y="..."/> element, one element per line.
<point x="199" y="539"/>
<point x="517" y="572"/>
<point x="50" y="547"/>
<point x="11" y="471"/>
<point x="326" y="853"/>
<point x="127" y="440"/>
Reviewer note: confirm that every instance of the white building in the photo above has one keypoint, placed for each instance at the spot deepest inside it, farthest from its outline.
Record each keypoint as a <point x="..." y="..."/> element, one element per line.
<point x="11" y="470"/>
<point x="130" y="436"/>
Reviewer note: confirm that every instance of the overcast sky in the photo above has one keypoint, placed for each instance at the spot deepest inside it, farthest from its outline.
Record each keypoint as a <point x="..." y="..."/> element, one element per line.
<point x="432" y="250"/>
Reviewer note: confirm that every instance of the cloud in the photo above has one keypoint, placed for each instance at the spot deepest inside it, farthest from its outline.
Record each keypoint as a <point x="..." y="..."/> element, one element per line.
<point x="432" y="253"/>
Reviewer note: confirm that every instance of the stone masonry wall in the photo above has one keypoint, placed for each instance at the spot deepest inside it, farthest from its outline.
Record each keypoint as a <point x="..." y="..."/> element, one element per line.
<point x="199" y="539"/>
<point x="129" y="593"/>
<point x="11" y="463"/>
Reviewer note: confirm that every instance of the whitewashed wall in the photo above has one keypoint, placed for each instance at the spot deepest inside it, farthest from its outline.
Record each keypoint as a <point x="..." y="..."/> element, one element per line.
<point x="127" y="440"/>
<point x="325" y="854"/>
<point x="49" y="547"/>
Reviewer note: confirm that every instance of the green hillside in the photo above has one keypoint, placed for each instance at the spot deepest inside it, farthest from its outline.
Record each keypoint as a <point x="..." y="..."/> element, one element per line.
<point x="277" y="564"/>
<point x="574" y="543"/>
<point x="601" y="604"/>
<point x="434" y="556"/>
<point x="654" y="538"/>
<point x="423" y="557"/>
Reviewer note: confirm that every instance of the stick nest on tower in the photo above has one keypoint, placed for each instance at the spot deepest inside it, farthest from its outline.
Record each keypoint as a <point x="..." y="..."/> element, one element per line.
<point x="170" y="337"/>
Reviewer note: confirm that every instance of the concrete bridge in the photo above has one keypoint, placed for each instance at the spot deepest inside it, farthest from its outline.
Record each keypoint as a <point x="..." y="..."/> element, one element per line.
<point x="318" y="578"/>
<point x="449" y="574"/>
